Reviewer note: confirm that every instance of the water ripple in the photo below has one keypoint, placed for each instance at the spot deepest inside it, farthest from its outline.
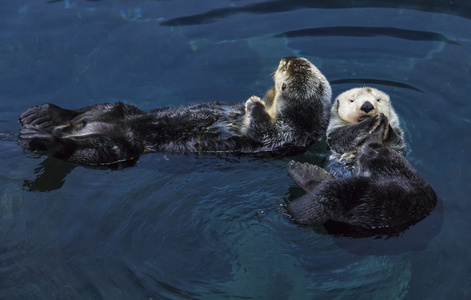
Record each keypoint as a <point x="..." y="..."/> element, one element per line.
<point x="359" y="31"/>
<point x="458" y="9"/>
<point x="382" y="82"/>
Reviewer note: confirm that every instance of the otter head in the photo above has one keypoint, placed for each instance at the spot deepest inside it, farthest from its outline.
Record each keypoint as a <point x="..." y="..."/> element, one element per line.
<point x="297" y="78"/>
<point x="300" y="86"/>
<point x="359" y="103"/>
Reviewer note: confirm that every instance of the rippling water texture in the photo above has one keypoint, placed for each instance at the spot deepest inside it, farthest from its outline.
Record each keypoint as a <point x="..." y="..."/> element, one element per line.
<point x="206" y="227"/>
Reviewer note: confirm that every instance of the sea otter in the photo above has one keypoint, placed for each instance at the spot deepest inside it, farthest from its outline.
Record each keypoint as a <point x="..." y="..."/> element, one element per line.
<point x="351" y="123"/>
<point x="290" y="118"/>
<point x="382" y="191"/>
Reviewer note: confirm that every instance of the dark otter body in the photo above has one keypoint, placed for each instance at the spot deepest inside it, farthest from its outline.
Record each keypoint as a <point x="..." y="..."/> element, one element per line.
<point x="384" y="193"/>
<point x="293" y="115"/>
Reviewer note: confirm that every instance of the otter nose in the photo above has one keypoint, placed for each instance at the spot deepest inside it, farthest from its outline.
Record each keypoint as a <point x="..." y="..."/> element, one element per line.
<point x="367" y="107"/>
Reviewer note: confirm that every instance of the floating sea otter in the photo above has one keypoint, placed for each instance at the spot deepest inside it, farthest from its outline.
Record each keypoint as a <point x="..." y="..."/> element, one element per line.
<point x="291" y="117"/>
<point x="383" y="193"/>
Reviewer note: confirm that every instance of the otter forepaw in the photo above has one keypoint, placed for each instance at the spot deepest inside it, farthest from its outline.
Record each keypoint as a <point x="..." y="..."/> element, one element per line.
<point x="255" y="108"/>
<point x="380" y="132"/>
<point x="385" y="121"/>
<point x="377" y="122"/>
<point x="308" y="176"/>
<point x="253" y="102"/>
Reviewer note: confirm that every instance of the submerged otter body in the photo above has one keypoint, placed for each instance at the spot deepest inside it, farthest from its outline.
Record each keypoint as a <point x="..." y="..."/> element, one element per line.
<point x="291" y="117"/>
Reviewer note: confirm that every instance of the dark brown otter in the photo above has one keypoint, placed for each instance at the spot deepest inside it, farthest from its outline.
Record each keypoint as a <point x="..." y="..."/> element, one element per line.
<point x="291" y="117"/>
<point x="384" y="192"/>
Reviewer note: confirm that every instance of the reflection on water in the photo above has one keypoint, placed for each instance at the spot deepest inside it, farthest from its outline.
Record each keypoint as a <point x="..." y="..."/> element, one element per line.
<point x="51" y="175"/>
<point x="204" y="227"/>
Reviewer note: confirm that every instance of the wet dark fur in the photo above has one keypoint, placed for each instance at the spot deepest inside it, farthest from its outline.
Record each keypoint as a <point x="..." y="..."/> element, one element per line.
<point x="385" y="192"/>
<point x="123" y="132"/>
<point x="110" y="133"/>
<point x="345" y="139"/>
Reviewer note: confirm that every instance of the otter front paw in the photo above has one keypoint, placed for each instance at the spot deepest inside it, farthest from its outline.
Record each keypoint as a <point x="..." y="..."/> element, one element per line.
<point x="387" y="126"/>
<point x="372" y="123"/>
<point x="253" y="102"/>
<point x="256" y="109"/>
<point x="381" y="129"/>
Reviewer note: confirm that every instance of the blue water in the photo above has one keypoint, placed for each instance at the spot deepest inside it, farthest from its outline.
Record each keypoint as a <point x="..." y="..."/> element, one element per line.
<point x="207" y="227"/>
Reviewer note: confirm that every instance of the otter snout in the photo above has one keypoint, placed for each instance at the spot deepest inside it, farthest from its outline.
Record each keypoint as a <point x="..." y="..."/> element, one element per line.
<point x="367" y="107"/>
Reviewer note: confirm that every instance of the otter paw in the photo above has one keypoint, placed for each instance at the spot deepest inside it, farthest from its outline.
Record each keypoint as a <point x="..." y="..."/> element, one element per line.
<point x="380" y="131"/>
<point x="377" y="122"/>
<point x="385" y="123"/>
<point x="253" y="102"/>
<point x="255" y="109"/>
<point x="308" y="176"/>
<point x="34" y="138"/>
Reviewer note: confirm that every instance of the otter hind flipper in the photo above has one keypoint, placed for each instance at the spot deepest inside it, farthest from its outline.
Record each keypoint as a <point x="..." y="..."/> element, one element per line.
<point x="36" y="138"/>
<point x="308" y="176"/>
<point x="47" y="116"/>
<point x="91" y="149"/>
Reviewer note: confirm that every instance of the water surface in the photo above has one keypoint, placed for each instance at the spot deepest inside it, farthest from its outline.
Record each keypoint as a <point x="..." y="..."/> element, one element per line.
<point x="208" y="227"/>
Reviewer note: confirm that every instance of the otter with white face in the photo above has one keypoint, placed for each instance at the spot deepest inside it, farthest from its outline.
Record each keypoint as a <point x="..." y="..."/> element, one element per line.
<point x="354" y="115"/>
<point x="382" y="193"/>
<point x="356" y="104"/>
<point x="292" y="116"/>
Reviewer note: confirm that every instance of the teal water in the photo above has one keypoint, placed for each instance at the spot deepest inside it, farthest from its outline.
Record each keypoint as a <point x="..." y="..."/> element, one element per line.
<point x="208" y="227"/>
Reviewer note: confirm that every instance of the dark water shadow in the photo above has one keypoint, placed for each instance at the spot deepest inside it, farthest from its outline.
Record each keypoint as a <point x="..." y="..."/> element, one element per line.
<point x="358" y="31"/>
<point x="51" y="174"/>
<point x="381" y="82"/>
<point x="458" y="8"/>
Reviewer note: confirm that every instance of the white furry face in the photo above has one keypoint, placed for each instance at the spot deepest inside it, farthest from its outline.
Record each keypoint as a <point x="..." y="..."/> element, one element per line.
<point x="355" y="104"/>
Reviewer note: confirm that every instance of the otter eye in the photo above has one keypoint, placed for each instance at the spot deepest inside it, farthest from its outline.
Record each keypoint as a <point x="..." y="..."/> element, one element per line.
<point x="283" y="86"/>
<point x="377" y="99"/>
<point x="351" y="100"/>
